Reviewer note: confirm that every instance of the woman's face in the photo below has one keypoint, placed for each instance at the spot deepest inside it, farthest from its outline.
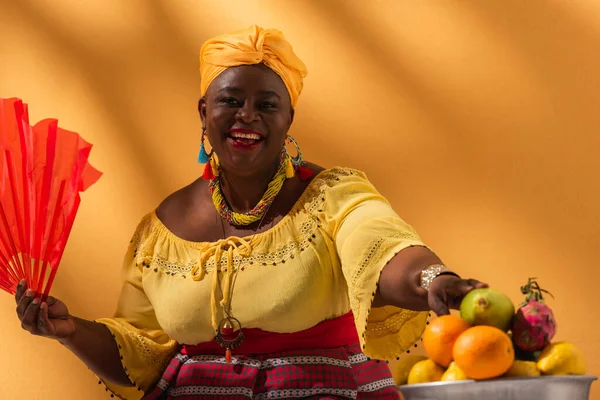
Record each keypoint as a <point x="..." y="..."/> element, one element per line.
<point x="247" y="113"/>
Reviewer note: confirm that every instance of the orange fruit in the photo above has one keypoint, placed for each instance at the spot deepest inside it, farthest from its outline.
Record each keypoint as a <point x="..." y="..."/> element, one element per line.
<point x="483" y="352"/>
<point x="440" y="335"/>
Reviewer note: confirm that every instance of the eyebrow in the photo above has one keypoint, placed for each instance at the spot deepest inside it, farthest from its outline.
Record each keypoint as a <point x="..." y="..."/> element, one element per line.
<point x="238" y="90"/>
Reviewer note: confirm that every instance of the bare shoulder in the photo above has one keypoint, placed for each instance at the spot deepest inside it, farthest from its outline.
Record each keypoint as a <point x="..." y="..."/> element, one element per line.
<point x="176" y="207"/>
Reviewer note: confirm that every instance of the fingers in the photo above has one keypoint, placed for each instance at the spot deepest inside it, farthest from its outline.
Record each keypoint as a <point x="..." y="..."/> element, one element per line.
<point x="477" y="284"/>
<point x="450" y="296"/>
<point x="24" y="302"/>
<point x="51" y="300"/>
<point x="467" y="285"/>
<point x="44" y="325"/>
<point x="21" y="287"/>
<point x="30" y="316"/>
<point x="438" y="305"/>
<point x="54" y="312"/>
<point x="33" y="314"/>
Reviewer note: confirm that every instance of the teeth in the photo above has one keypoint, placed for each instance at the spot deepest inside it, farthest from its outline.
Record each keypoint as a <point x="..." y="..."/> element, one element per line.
<point x="252" y="136"/>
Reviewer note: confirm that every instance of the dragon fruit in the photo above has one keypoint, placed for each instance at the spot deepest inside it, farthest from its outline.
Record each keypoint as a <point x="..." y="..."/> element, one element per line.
<point x="533" y="325"/>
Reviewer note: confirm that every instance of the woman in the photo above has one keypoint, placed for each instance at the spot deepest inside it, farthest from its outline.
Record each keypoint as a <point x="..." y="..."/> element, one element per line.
<point x="268" y="277"/>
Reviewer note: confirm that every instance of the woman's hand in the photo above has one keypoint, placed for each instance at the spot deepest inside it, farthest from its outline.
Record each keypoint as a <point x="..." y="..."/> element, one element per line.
<point x="92" y="342"/>
<point x="50" y="319"/>
<point x="447" y="291"/>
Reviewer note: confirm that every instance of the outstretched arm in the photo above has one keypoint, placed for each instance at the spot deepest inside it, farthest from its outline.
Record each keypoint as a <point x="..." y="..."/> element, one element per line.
<point x="400" y="283"/>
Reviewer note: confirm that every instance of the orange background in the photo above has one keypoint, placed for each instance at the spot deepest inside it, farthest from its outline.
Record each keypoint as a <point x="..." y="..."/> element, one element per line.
<point x="479" y="120"/>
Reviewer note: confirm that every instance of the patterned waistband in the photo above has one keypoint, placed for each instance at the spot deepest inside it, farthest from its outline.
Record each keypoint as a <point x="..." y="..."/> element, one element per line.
<point x="331" y="333"/>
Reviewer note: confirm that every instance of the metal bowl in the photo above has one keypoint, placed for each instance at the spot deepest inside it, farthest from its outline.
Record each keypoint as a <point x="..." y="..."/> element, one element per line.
<point x="526" y="388"/>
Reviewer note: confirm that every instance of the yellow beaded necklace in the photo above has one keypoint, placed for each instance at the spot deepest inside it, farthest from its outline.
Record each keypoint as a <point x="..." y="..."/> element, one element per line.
<point x="254" y="215"/>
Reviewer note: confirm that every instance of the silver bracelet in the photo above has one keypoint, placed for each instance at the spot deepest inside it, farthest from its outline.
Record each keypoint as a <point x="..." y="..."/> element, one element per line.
<point x="432" y="272"/>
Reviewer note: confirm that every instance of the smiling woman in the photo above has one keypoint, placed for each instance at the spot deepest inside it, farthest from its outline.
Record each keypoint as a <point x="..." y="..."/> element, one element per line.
<point x="246" y="123"/>
<point x="268" y="277"/>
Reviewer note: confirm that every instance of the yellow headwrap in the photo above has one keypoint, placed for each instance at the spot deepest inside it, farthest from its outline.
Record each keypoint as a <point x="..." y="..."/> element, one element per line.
<point x="253" y="45"/>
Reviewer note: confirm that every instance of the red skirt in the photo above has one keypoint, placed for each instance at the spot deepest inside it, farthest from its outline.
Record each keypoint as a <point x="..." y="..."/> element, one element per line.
<point x="323" y="362"/>
<point x="339" y="373"/>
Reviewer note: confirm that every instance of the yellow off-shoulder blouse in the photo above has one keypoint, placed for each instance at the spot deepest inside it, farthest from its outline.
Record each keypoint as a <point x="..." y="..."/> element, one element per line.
<point x="321" y="261"/>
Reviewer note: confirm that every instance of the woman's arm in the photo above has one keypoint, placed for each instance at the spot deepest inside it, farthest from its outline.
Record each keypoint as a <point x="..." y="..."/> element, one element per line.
<point x="94" y="345"/>
<point x="90" y="341"/>
<point x="400" y="284"/>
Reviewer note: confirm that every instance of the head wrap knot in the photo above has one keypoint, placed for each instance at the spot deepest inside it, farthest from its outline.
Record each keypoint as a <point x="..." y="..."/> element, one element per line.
<point x="253" y="45"/>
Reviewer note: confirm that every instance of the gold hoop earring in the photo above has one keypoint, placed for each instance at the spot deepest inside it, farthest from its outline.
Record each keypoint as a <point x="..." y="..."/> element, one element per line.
<point x="296" y="163"/>
<point x="297" y="160"/>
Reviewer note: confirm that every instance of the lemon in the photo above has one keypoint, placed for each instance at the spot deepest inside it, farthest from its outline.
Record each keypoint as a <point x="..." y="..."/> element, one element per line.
<point x="561" y="358"/>
<point x="454" y="373"/>
<point x="402" y="368"/>
<point x="425" y="371"/>
<point x="523" y="368"/>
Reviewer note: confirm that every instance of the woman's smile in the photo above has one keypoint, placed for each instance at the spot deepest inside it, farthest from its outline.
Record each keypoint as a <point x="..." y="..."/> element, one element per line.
<point x="245" y="139"/>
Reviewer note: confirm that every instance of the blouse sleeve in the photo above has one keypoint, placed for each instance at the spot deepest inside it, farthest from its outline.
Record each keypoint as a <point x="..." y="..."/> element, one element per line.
<point x="144" y="348"/>
<point x="368" y="234"/>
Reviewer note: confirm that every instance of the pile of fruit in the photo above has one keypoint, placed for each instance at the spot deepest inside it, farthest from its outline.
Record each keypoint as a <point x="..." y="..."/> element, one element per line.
<point x="490" y="340"/>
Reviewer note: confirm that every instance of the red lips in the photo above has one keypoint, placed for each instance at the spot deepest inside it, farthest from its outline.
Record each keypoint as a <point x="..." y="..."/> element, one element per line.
<point x="244" y="143"/>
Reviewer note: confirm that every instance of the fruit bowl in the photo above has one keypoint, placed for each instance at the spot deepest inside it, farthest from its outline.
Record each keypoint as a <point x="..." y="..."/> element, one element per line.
<point x="566" y="387"/>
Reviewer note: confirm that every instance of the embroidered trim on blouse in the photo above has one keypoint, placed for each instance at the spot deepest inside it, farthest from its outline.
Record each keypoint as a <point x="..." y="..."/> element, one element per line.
<point x="310" y="202"/>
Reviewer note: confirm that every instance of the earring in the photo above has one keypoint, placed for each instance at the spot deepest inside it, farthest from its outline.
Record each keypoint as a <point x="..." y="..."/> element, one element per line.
<point x="209" y="160"/>
<point x="203" y="156"/>
<point x="296" y="163"/>
<point x="289" y="167"/>
<point x="297" y="160"/>
<point x="211" y="168"/>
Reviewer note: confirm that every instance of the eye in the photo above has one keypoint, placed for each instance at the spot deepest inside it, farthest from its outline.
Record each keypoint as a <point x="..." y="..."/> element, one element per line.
<point x="230" y="101"/>
<point x="268" y="105"/>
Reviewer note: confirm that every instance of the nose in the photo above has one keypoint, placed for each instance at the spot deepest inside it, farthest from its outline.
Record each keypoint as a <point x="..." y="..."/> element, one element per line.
<point x="247" y="114"/>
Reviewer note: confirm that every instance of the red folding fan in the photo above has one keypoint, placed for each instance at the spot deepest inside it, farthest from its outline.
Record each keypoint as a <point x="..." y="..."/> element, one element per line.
<point x="43" y="168"/>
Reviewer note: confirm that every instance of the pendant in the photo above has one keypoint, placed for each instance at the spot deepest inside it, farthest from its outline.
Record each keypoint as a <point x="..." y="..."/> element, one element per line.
<point x="229" y="335"/>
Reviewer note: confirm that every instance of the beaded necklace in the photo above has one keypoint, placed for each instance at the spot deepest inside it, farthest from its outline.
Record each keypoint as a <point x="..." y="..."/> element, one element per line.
<point x="254" y="215"/>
